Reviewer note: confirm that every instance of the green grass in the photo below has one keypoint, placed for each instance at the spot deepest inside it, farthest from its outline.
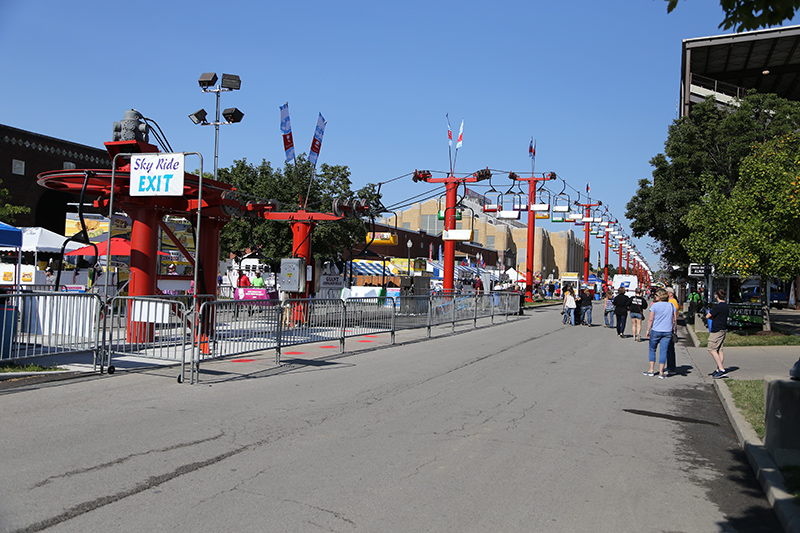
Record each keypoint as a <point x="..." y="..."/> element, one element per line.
<point x="748" y="396"/>
<point x="791" y="476"/>
<point x="753" y="337"/>
<point x="13" y="367"/>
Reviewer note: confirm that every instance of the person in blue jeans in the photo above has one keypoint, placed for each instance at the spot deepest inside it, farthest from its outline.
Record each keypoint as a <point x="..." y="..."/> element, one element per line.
<point x="569" y="307"/>
<point x="586" y="307"/>
<point x="608" y="309"/>
<point x="621" y="305"/>
<point x="661" y="325"/>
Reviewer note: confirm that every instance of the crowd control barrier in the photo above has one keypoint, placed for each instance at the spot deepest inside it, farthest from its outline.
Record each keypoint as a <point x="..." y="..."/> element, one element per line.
<point x="189" y="329"/>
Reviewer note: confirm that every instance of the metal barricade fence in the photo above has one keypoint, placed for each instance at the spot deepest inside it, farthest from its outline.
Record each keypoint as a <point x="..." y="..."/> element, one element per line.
<point x="40" y="324"/>
<point x="153" y="328"/>
<point x="309" y="320"/>
<point x="190" y="328"/>
<point x="364" y="316"/>
<point x="411" y="312"/>
<point x="230" y="327"/>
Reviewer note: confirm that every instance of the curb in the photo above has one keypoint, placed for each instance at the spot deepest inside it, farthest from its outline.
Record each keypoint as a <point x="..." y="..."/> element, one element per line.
<point x="767" y="473"/>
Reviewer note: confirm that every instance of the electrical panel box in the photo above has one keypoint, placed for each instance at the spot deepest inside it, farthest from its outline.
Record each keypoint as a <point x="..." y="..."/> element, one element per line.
<point x="293" y="275"/>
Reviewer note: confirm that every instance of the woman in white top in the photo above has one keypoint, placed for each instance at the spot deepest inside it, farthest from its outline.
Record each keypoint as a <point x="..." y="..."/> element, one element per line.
<point x="569" y="306"/>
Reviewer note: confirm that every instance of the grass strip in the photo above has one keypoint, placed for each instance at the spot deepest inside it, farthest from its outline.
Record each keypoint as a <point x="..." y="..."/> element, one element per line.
<point x="752" y="337"/>
<point x="748" y="396"/>
<point x="14" y="367"/>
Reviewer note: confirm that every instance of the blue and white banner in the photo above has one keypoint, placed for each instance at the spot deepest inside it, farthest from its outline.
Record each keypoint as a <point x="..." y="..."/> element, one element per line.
<point x="286" y="132"/>
<point x="316" y="144"/>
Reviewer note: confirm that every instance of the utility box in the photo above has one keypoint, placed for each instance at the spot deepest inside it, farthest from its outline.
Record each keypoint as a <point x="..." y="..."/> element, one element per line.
<point x="782" y="420"/>
<point x="293" y="275"/>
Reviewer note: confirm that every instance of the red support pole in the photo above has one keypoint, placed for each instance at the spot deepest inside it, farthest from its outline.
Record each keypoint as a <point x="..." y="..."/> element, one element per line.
<point x="608" y="235"/>
<point x="531" y="238"/>
<point x="586" y="241"/>
<point x="449" y="245"/>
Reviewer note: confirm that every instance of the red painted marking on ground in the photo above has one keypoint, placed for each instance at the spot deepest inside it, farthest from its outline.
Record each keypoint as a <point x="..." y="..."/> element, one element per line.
<point x="329" y="346"/>
<point x="294" y="353"/>
<point x="366" y="341"/>
<point x="242" y="360"/>
<point x="372" y="336"/>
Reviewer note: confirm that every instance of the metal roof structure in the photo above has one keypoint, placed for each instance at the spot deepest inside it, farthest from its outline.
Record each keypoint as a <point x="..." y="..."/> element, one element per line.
<point x="729" y="65"/>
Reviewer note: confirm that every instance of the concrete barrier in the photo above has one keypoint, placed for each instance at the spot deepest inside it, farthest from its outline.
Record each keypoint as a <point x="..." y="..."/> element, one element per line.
<point x="782" y="420"/>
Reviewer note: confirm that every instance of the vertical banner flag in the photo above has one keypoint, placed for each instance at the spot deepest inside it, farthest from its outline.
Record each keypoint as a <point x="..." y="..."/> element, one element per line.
<point x="316" y="144"/>
<point x="449" y="131"/>
<point x="460" y="135"/>
<point x="532" y="149"/>
<point x="430" y="252"/>
<point x="587" y="187"/>
<point x="286" y="132"/>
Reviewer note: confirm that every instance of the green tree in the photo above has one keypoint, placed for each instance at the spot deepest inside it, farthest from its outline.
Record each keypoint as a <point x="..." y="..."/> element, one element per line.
<point x="743" y="15"/>
<point x="293" y="189"/>
<point x="702" y="156"/>
<point x="756" y="229"/>
<point x="8" y="212"/>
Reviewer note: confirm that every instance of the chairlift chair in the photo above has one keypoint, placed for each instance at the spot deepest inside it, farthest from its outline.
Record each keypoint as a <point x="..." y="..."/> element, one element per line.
<point x="464" y="235"/>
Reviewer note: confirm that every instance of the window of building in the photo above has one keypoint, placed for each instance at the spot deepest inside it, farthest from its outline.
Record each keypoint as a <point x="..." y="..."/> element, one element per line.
<point x="490" y="241"/>
<point x="406" y="225"/>
<point x="18" y="167"/>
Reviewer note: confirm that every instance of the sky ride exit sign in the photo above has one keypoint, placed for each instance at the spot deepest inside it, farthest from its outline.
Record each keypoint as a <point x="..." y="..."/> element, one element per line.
<point x="157" y="175"/>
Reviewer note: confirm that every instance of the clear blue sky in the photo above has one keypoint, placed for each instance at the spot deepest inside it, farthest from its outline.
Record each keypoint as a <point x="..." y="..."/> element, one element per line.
<point x="596" y="83"/>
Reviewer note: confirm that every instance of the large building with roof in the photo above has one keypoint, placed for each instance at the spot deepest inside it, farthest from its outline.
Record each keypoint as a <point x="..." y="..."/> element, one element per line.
<point x="727" y="66"/>
<point x="24" y="155"/>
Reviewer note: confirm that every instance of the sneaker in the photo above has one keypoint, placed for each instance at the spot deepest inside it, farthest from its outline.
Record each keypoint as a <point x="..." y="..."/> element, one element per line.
<point x="663" y="375"/>
<point x="719" y="374"/>
<point x="649" y="374"/>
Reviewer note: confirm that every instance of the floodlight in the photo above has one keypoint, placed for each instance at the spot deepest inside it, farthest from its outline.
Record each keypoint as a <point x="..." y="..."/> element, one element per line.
<point x="198" y="117"/>
<point x="207" y="79"/>
<point x="231" y="81"/>
<point x="233" y="115"/>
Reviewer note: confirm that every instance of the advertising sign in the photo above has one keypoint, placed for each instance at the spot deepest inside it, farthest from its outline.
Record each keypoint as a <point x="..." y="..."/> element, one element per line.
<point x="157" y="175"/>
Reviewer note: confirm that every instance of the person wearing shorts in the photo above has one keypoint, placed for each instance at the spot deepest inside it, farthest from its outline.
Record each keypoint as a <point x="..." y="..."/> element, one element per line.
<point x="718" y="315"/>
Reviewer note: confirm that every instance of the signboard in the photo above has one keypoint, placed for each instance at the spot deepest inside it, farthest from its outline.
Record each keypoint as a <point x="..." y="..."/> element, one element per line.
<point x="157" y="174"/>
<point x="696" y="270"/>
<point x="327" y="281"/>
<point x="741" y="315"/>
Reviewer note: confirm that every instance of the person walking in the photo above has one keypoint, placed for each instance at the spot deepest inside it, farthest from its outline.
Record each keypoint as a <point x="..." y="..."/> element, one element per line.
<point x="569" y="306"/>
<point x="718" y="315"/>
<point x="258" y="281"/>
<point x="637" y="307"/>
<point x="586" y="307"/>
<point x="661" y="325"/>
<point x="621" y="304"/>
<point x="608" y="309"/>
<point x="672" y="365"/>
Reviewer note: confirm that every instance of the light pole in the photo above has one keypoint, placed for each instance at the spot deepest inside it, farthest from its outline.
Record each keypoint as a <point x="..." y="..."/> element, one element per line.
<point x="230" y="82"/>
<point x="408" y="265"/>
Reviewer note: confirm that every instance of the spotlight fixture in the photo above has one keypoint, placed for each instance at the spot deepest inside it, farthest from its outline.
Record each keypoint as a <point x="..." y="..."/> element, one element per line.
<point x="199" y="117"/>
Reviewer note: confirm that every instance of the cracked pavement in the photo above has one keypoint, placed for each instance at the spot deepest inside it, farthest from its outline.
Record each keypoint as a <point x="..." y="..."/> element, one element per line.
<point x="528" y="425"/>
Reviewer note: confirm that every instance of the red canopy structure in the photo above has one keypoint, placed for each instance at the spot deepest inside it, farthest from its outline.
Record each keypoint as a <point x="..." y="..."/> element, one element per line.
<point x="119" y="246"/>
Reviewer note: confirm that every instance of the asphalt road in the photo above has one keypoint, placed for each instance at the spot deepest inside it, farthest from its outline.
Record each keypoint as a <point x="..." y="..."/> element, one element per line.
<point x="524" y="426"/>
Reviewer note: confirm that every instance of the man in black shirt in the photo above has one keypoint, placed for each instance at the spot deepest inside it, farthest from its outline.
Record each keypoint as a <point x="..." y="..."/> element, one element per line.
<point x="716" y="333"/>
<point x="621" y="305"/>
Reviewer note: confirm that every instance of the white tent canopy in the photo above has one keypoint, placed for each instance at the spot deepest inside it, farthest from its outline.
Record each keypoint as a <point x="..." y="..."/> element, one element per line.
<point x="43" y="241"/>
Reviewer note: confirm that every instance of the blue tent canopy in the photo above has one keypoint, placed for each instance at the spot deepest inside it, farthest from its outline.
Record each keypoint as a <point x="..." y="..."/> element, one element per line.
<point x="10" y="236"/>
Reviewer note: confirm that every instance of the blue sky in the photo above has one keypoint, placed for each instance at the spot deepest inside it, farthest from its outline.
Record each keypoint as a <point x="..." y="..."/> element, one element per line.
<point x="596" y="83"/>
